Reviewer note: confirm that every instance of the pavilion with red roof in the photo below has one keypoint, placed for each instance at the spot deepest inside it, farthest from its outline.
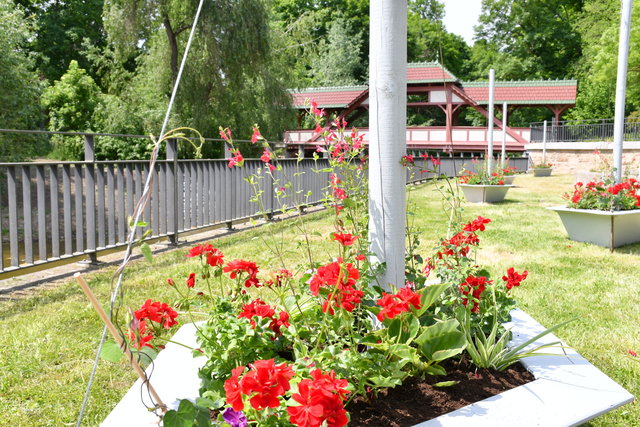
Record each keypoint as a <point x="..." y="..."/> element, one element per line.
<point x="432" y="85"/>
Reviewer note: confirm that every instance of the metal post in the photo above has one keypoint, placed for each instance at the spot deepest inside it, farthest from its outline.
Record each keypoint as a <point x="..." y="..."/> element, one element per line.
<point x="172" y="191"/>
<point x="544" y="142"/>
<point x="89" y="189"/>
<point x="504" y="134"/>
<point x="387" y="118"/>
<point x="621" y="87"/>
<point x="492" y="77"/>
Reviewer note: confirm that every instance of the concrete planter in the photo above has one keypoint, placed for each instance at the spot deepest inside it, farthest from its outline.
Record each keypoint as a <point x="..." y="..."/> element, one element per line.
<point x="603" y="228"/>
<point x="568" y="390"/>
<point x="485" y="193"/>
<point x="542" y="171"/>
<point x="508" y="179"/>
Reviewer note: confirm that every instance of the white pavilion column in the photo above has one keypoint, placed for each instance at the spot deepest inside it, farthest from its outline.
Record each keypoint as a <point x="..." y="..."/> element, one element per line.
<point x="492" y="83"/>
<point x="621" y="87"/>
<point x="504" y="134"/>
<point x="387" y="136"/>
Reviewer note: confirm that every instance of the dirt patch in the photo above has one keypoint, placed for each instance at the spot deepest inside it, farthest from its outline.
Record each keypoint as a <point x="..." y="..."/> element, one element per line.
<point x="418" y="400"/>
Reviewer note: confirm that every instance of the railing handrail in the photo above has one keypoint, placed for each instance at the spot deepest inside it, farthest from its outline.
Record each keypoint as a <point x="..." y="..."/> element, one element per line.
<point x="114" y="135"/>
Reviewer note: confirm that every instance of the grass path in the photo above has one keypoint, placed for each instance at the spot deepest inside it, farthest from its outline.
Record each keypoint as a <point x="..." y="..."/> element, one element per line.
<point x="48" y="340"/>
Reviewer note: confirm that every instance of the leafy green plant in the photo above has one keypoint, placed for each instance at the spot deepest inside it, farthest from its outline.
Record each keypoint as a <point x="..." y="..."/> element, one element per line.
<point x="606" y="195"/>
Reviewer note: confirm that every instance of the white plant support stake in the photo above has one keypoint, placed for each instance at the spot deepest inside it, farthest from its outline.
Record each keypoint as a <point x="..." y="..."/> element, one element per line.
<point x="621" y="87"/>
<point x="492" y="77"/>
<point x="388" y="136"/>
<point x="504" y="134"/>
<point x="544" y="142"/>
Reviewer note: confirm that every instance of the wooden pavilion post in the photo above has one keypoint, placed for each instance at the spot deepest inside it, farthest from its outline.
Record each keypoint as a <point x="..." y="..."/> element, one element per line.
<point x="490" y="119"/>
<point x="387" y="136"/>
<point x="504" y="134"/>
<point x="621" y="87"/>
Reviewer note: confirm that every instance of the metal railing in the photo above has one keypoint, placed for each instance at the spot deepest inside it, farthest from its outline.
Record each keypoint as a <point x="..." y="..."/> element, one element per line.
<point x="52" y="211"/>
<point x="600" y="130"/>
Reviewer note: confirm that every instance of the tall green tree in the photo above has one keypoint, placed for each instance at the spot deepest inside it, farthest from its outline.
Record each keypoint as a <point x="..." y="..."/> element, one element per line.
<point x="65" y="27"/>
<point x="229" y="80"/>
<point x="527" y="39"/>
<point x="599" y="26"/>
<point x="19" y="85"/>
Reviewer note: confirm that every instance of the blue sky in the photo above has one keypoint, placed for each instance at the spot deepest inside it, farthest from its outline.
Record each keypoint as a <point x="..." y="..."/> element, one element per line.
<point x="461" y="16"/>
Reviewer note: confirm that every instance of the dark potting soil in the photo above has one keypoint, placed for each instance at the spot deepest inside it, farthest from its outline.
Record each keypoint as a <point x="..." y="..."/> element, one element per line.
<point x="418" y="400"/>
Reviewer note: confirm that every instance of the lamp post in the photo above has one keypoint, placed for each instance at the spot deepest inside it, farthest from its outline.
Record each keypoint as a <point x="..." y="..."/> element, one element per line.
<point x="621" y="87"/>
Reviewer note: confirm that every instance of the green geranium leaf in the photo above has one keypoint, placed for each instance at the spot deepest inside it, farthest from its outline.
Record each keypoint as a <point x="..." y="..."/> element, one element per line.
<point x="111" y="352"/>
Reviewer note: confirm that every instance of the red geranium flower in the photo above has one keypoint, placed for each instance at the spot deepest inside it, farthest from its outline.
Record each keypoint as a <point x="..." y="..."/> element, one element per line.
<point x="474" y="286"/>
<point x="513" y="278"/>
<point x="238" y="266"/>
<point x="477" y="224"/>
<point x="264" y="383"/>
<point x="256" y="135"/>
<point x="260" y="308"/>
<point x="191" y="281"/>
<point x="321" y="401"/>
<point x="139" y="335"/>
<point x="345" y="239"/>
<point x="266" y="156"/>
<point x="341" y="278"/>
<point x="158" y="312"/>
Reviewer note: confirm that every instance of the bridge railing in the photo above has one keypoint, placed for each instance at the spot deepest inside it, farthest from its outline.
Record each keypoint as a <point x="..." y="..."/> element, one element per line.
<point x="600" y="130"/>
<point x="56" y="211"/>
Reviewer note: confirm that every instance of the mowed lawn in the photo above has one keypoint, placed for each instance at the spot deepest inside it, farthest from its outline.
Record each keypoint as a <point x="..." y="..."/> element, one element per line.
<point x="48" y="341"/>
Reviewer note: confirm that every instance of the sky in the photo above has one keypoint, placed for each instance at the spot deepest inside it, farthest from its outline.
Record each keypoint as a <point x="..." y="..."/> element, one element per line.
<point x="461" y="16"/>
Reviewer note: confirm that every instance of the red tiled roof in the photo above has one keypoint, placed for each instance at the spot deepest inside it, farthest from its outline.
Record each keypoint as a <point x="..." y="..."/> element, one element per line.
<point x="428" y="72"/>
<point x="534" y="92"/>
<point x="328" y="97"/>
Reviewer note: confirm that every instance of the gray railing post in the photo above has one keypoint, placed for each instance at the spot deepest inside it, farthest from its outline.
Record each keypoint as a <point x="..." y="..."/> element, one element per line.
<point x="172" y="193"/>
<point x="90" y="196"/>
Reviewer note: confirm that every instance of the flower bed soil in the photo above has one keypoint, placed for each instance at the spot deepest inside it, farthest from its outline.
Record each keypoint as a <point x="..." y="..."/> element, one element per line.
<point x="418" y="400"/>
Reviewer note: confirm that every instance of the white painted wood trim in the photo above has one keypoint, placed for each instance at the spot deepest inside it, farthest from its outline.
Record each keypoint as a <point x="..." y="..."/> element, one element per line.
<point x="568" y="390"/>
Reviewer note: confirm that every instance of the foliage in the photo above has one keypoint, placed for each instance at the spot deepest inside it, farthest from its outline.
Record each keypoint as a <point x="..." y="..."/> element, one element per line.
<point x="605" y="195"/>
<point x="19" y="86"/>
<point x="480" y="178"/>
<point x="71" y="102"/>
<point x="65" y="27"/>
<point x="543" y="165"/>
<point x="527" y="39"/>
<point x="338" y="60"/>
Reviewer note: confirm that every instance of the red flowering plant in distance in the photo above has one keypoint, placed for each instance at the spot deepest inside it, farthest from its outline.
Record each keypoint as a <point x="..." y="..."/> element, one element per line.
<point x="291" y="339"/>
<point x="605" y="195"/>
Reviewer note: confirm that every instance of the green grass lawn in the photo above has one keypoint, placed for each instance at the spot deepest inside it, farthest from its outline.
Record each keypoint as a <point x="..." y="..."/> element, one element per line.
<point x="48" y="341"/>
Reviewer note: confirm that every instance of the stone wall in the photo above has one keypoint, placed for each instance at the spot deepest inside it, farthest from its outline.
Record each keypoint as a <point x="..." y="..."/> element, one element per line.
<point x="574" y="157"/>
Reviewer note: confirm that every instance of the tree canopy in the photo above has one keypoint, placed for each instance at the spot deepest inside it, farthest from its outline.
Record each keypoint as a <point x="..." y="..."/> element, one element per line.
<point x="110" y="65"/>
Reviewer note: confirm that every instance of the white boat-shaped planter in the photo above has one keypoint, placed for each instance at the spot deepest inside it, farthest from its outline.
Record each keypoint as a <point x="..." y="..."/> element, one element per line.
<point x="485" y="193"/>
<point x="567" y="389"/>
<point x="508" y="179"/>
<point x="542" y="171"/>
<point x="603" y="228"/>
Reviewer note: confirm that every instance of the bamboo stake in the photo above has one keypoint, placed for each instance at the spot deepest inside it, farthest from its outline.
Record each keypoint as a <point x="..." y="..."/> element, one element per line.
<point x="134" y="364"/>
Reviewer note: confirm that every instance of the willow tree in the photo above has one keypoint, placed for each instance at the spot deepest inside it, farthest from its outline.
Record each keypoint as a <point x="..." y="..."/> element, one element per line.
<point x="229" y="80"/>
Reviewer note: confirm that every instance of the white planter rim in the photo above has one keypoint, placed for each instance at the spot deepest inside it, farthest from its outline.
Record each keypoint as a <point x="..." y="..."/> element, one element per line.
<point x="487" y="185"/>
<point x="594" y="211"/>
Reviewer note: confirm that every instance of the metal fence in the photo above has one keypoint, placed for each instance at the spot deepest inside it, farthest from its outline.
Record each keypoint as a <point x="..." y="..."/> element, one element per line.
<point x="51" y="211"/>
<point x="584" y="131"/>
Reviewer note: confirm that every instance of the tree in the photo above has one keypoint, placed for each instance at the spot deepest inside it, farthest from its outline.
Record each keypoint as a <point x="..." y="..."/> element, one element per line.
<point x="65" y="27"/>
<point x="229" y="79"/>
<point x="71" y="102"/>
<point x="339" y="58"/>
<point x="19" y="86"/>
<point x="526" y="39"/>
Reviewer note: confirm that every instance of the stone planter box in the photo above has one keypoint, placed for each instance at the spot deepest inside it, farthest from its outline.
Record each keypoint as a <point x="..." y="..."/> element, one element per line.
<point x="508" y="179"/>
<point x="568" y="390"/>
<point x="603" y="228"/>
<point x="485" y="193"/>
<point x="542" y="171"/>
